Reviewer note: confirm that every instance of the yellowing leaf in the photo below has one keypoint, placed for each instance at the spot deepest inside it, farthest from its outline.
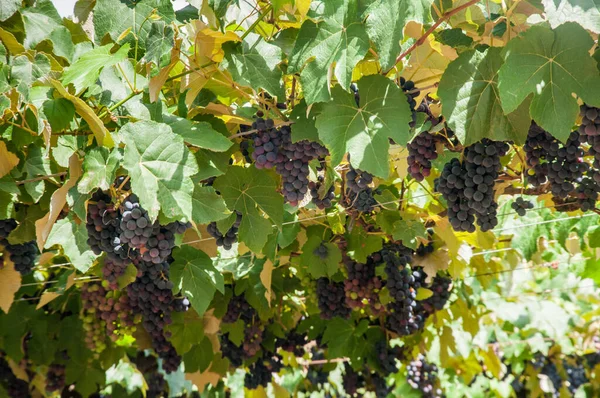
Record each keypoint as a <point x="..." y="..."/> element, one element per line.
<point x="11" y="43"/>
<point x="156" y="83"/>
<point x="202" y="379"/>
<point x="49" y="296"/>
<point x="195" y="81"/>
<point x="8" y="160"/>
<point x="101" y="133"/>
<point x="17" y="370"/>
<point x="44" y="225"/>
<point x="434" y="262"/>
<point x="491" y="360"/>
<point x="209" y="43"/>
<point x="265" y="278"/>
<point x="10" y="282"/>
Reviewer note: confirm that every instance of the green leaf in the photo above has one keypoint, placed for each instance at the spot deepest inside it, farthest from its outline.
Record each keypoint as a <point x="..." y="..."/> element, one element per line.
<point x="454" y="38"/>
<point x="113" y="17"/>
<point x="66" y="146"/>
<point x="254" y="63"/>
<point x="8" y="8"/>
<point x="344" y="339"/>
<point x="86" y="70"/>
<point x="207" y="206"/>
<point x="99" y="169"/>
<point x="86" y="377"/>
<point x="25" y="72"/>
<point x="159" y="43"/>
<point x="304" y="119"/>
<point x="25" y="232"/>
<point x="551" y="65"/>
<point x="72" y="236"/>
<point x="160" y="167"/>
<point x="363" y="132"/>
<point x="469" y="92"/>
<point x="585" y="12"/>
<point x="361" y="245"/>
<point x="407" y="231"/>
<point x="317" y="266"/>
<point x="60" y="113"/>
<point x="423" y="294"/>
<point x="247" y="190"/>
<point x="39" y="21"/>
<point x="386" y="22"/>
<point x="200" y="134"/>
<point x="187" y="330"/>
<point x="594" y="236"/>
<point x="193" y="271"/>
<point x="339" y="39"/>
<point x="199" y="357"/>
<point x="385" y="219"/>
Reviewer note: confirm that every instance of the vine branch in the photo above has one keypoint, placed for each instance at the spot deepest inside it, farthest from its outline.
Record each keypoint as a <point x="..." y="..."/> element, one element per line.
<point x="433" y="27"/>
<point x="42" y="178"/>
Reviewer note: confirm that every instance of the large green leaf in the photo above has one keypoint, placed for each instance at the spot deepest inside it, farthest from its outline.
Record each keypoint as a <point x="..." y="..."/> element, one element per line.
<point x="207" y="206"/>
<point x="39" y="22"/>
<point x="551" y="65"/>
<point x="247" y="190"/>
<point x="200" y="134"/>
<point x="86" y="70"/>
<point x="316" y="265"/>
<point x="304" y="119"/>
<point x="584" y="12"/>
<point x="60" y="113"/>
<point x="254" y="63"/>
<point x="115" y="17"/>
<point x="187" y="330"/>
<point x="407" y="231"/>
<point x="363" y="131"/>
<point x="159" y="43"/>
<point x="193" y="272"/>
<point x="340" y="39"/>
<point x="8" y="8"/>
<point x="99" y="168"/>
<point x="469" y="92"/>
<point x="160" y="167"/>
<point x="361" y="245"/>
<point x="72" y="237"/>
<point x="386" y="21"/>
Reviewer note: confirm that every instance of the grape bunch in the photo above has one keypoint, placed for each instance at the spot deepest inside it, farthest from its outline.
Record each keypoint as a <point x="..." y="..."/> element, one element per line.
<point x="352" y="380"/>
<point x="22" y="255"/>
<point x="6" y="227"/>
<point x="330" y="296"/>
<point x="521" y="206"/>
<point x="230" y="237"/>
<point x="562" y="166"/>
<point x="548" y="368"/>
<point x="387" y="356"/>
<point x="590" y="121"/>
<point x="422" y="376"/>
<point x="260" y="372"/>
<point x="151" y="298"/>
<point x="55" y="377"/>
<point x="267" y="141"/>
<point x="468" y="186"/>
<point x="358" y="180"/>
<point x="380" y="386"/>
<point x="253" y="337"/>
<point x="293" y="342"/>
<point x="293" y="168"/>
<point x="324" y="202"/>
<point x="576" y="375"/>
<point x="586" y="193"/>
<point x="148" y="366"/>
<point x="362" y="286"/>
<point x="239" y="307"/>
<point x="230" y="351"/>
<point x="359" y="195"/>
<point x="421" y="151"/>
<point x="408" y="86"/>
<point x="441" y="289"/>
<point x="135" y="224"/>
<point x="14" y="387"/>
<point x="425" y="249"/>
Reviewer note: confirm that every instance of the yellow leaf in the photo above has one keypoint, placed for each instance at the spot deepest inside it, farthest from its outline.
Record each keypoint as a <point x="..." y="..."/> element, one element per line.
<point x="202" y="379"/>
<point x="102" y="135"/>
<point x="491" y="360"/>
<point x="447" y="345"/>
<point x="124" y="34"/>
<point x="49" y="296"/>
<point x="10" y="42"/>
<point x="8" y="160"/>
<point x="44" y="225"/>
<point x="211" y="323"/>
<point x="426" y="65"/>
<point x="18" y="371"/>
<point x="256" y="393"/>
<point x="399" y="157"/>
<point x="157" y="82"/>
<point x="209" y="43"/>
<point x="279" y="391"/>
<point x="444" y="230"/>
<point x="195" y="81"/>
<point x="265" y="278"/>
<point x="434" y="262"/>
<point x="10" y="282"/>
